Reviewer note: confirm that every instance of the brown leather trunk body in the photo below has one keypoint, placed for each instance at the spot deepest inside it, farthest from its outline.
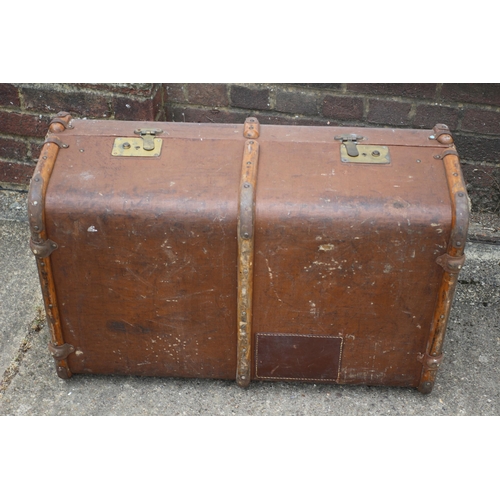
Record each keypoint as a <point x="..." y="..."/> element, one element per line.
<point x="348" y="285"/>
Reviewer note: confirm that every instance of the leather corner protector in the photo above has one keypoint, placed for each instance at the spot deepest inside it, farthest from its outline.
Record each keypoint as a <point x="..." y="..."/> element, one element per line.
<point x="63" y="372"/>
<point x="426" y="386"/>
<point x="61" y="122"/>
<point x="430" y="362"/>
<point x="44" y="248"/>
<point x="60" y="352"/>
<point x="55" y="140"/>
<point x="449" y="152"/>
<point x="452" y="265"/>
<point x="62" y="118"/>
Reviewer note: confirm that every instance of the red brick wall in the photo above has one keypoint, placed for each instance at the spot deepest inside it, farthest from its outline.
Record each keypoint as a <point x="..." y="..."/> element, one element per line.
<point x="26" y="110"/>
<point x="472" y="111"/>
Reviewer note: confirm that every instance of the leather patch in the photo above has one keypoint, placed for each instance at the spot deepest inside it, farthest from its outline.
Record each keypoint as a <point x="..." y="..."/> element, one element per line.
<point x="288" y="356"/>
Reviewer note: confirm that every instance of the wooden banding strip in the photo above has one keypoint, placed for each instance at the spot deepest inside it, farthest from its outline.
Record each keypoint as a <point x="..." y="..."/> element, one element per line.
<point x="36" y="213"/>
<point x="455" y="253"/>
<point x="246" y="234"/>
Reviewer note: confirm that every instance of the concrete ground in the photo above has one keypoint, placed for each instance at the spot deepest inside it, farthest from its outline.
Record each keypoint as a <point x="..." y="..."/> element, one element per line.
<point x="468" y="381"/>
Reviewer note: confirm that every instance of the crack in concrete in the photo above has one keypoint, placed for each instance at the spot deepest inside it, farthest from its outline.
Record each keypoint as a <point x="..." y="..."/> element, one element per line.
<point x="26" y="344"/>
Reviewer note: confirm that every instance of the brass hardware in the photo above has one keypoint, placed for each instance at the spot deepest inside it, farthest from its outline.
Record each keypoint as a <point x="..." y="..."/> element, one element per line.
<point x="147" y="135"/>
<point x="136" y="146"/>
<point x="366" y="154"/>
<point x="350" y="141"/>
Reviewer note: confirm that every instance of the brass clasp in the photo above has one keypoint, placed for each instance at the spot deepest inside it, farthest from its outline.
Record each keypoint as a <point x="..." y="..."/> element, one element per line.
<point x="350" y="141"/>
<point x="147" y="135"/>
<point x="145" y="145"/>
<point x="352" y="152"/>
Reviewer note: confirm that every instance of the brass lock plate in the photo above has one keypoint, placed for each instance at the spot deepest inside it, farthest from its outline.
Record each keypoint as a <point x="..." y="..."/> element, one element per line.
<point x="134" y="146"/>
<point x="366" y="154"/>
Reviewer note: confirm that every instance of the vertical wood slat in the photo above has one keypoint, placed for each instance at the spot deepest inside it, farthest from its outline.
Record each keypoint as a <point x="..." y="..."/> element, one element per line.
<point x="246" y="234"/>
<point x="36" y="212"/>
<point x="456" y="246"/>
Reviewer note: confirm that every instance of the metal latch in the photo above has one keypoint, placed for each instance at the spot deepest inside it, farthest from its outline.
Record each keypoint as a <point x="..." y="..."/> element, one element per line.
<point x="147" y="135"/>
<point x="352" y="152"/>
<point x="145" y="145"/>
<point x="350" y="141"/>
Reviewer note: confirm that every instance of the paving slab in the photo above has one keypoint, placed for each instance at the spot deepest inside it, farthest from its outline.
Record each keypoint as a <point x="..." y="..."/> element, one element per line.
<point x="20" y="296"/>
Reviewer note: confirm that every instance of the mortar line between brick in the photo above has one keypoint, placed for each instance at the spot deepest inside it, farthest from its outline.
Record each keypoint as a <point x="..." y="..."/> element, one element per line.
<point x="72" y="89"/>
<point x="18" y="162"/>
<point x="26" y="139"/>
<point x="160" y="115"/>
<point x="412" y="112"/>
<point x="29" y="112"/>
<point x="21" y="99"/>
<point x="460" y="118"/>
<point x="439" y="86"/>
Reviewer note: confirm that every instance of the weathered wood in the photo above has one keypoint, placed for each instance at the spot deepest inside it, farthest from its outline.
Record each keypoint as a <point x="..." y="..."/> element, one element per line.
<point x="246" y="239"/>
<point x="455" y="252"/>
<point x="39" y="238"/>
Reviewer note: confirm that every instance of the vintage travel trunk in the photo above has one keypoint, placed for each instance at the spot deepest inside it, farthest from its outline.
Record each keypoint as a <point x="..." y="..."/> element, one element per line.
<point x="248" y="252"/>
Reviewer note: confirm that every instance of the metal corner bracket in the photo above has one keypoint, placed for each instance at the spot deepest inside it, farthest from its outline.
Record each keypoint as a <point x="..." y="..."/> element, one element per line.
<point x="450" y="264"/>
<point x="60" y="352"/>
<point x="43" y="248"/>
